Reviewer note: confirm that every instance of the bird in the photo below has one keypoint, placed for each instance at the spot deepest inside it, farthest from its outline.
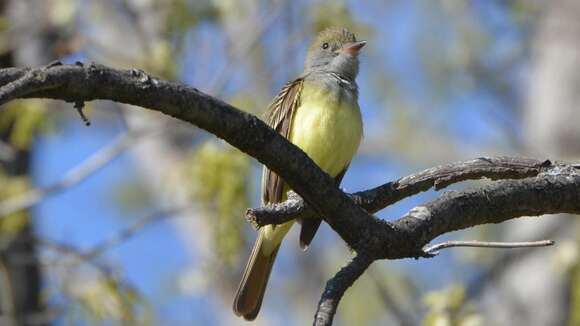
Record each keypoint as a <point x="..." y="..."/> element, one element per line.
<point x="319" y="113"/>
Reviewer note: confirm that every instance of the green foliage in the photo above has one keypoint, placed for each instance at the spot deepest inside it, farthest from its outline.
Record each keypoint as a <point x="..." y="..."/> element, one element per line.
<point x="352" y="312"/>
<point x="186" y="14"/>
<point x="23" y="119"/>
<point x="131" y="196"/>
<point x="106" y="300"/>
<point x="379" y="288"/>
<point x="63" y="13"/>
<point x="4" y="24"/>
<point x="567" y="262"/>
<point x="11" y="186"/>
<point x="452" y="63"/>
<point x="523" y="11"/>
<point x="219" y="178"/>
<point x="575" y="297"/>
<point x="248" y="102"/>
<point x="161" y="59"/>
<point x="183" y="17"/>
<point x="332" y="13"/>
<point x="448" y="307"/>
<point x="4" y="42"/>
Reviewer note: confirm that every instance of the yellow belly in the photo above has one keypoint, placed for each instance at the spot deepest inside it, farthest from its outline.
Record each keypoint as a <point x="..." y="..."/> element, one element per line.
<point x="329" y="132"/>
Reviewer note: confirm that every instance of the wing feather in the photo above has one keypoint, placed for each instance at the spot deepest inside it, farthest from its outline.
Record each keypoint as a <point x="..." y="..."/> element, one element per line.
<point x="279" y="117"/>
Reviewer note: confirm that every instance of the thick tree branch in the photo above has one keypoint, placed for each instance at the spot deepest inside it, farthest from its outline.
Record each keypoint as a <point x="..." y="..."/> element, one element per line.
<point x="555" y="188"/>
<point x="556" y="191"/>
<point x="541" y="187"/>
<point x="76" y="83"/>
<point x="375" y="199"/>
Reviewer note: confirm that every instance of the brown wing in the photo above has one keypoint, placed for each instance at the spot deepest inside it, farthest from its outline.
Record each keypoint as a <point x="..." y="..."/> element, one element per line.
<point x="279" y="117"/>
<point x="253" y="285"/>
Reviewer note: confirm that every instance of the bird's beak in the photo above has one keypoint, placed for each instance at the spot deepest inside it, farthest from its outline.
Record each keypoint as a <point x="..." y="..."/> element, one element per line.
<point x="353" y="48"/>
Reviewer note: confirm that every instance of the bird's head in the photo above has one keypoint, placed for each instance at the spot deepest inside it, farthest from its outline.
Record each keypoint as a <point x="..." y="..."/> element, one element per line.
<point x="334" y="50"/>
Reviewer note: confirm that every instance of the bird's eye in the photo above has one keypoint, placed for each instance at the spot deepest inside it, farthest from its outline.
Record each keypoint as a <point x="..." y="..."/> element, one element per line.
<point x="325" y="46"/>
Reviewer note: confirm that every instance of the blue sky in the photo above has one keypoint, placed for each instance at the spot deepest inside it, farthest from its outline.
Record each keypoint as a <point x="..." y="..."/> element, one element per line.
<point x="86" y="214"/>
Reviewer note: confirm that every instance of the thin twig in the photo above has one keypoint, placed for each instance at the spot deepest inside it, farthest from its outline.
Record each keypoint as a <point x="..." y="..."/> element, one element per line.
<point x="105" y="272"/>
<point x="433" y="250"/>
<point x="129" y="231"/>
<point x="507" y="259"/>
<point x="73" y="176"/>
<point x="75" y="253"/>
<point x="90" y="256"/>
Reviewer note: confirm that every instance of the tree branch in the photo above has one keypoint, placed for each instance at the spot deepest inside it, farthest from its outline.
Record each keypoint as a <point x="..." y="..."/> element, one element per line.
<point x="337" y="285"/>
<point x="433" y="250"/>
<point x="75" y="83"/>
<point x="375" y="199"/>
<point x="555" y="191"/>
<point x="541" y="187"/>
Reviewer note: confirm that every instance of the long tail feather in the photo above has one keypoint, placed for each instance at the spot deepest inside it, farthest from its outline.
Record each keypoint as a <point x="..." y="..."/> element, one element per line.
<point x="253" y="285"/>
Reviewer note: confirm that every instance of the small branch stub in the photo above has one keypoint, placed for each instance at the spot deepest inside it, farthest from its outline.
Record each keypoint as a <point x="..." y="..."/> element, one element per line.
<point x="79" y="106"/>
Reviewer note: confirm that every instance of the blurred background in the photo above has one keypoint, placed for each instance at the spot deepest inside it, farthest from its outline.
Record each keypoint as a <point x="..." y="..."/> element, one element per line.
<point x="138" y="219"/>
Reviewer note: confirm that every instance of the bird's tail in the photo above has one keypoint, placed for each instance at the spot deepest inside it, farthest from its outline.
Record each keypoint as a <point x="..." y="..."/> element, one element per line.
<point x="254" y="280"/>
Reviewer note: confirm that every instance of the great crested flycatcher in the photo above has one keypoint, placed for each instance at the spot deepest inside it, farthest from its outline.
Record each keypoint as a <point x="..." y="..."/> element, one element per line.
<point x="319" y="113"/>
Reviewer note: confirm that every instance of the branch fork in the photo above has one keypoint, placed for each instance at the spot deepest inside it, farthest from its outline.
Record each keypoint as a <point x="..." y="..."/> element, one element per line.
<point x="521" y="187"/>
